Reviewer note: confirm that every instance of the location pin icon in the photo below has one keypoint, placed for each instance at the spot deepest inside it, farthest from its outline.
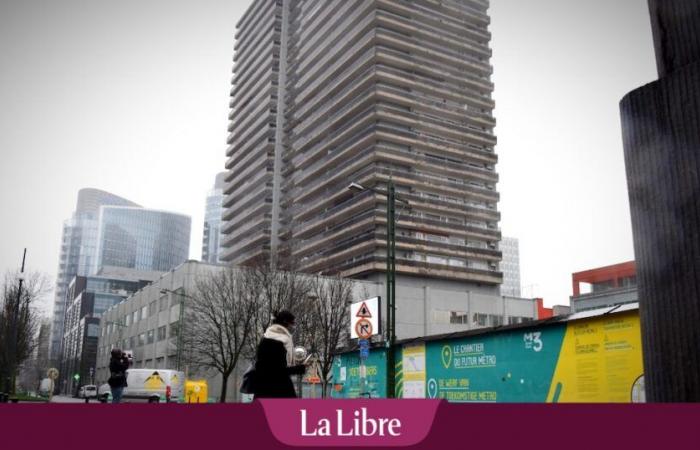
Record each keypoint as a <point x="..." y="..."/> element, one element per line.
<point x="432" y="388"/>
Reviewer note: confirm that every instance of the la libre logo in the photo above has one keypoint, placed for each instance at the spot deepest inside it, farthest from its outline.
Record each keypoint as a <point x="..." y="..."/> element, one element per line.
<point x="357" y="424"/>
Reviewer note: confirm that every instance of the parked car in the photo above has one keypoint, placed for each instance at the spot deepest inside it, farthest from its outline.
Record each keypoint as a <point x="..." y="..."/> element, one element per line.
<point x="88" y="391"/>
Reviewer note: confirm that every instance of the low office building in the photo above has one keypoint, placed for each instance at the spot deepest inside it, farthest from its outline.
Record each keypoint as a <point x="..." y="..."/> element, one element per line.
<point x="607" y="286"/>
<point x="147" y="322"/>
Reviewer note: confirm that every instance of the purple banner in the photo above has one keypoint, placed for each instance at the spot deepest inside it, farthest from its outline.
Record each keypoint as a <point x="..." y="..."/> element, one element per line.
<point x="365" y="423"/>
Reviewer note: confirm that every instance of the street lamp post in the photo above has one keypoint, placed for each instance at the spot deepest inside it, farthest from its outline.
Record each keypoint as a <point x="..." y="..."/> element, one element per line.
<point x="390" y="194"/>
<point x="15" y="331"/>
<point x="180" y="326"/>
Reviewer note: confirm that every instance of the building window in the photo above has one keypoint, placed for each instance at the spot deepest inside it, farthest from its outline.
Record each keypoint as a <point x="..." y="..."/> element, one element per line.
<point x="149" y="363"/>
<point x="451" y="317"/>
<point x="480" y="319"/>
<point x="496" y="321"/>
<point x="459" y="317"/>
<point x="163" y="303"/>
<point x="144" y="312"/>
<point x="135" y="316"/>
<point x="161" y="333"/>
<point x="160" y="363"/>
<point x="142" y="340"/>
<point x="127" y="320"/>
<point x="173" y="329"/>
<point x="150" y="336"/>
<point x="152" y="308"/>
<point x="132" y="342"/>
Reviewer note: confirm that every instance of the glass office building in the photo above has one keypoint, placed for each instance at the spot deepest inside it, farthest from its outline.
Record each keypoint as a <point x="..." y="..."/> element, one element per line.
<point x="213" y="237"/>
<point x="78" y="250"/>
<point x="142" y="239"/>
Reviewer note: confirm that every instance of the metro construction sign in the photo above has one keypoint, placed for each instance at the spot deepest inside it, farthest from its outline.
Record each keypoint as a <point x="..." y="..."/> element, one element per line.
<point x="365" y="318"/>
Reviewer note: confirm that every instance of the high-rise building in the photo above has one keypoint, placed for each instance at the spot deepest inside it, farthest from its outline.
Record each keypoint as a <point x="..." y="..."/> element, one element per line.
<point x="107" y="230"/>
<point x="78" y="250"/>
<point x="326" y="93"/>
<point x="142" y="239"/>
<point x="510" y="266"/>
<point x="212" y="238"/>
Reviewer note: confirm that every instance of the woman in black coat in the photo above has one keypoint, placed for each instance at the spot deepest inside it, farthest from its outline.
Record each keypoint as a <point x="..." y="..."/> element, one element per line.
<point x="275" y="359"/>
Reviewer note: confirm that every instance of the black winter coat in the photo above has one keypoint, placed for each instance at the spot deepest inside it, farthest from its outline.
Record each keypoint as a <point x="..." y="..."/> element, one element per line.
<point x="117" y="369"/>
<point x="271" y="371"/>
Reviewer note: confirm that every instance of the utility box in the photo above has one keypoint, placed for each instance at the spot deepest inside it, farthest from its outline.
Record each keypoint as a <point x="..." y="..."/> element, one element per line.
<point x="196" y="391"/>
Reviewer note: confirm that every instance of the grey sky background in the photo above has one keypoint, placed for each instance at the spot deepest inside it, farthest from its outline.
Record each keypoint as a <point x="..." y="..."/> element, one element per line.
<point x="132" y="97"/>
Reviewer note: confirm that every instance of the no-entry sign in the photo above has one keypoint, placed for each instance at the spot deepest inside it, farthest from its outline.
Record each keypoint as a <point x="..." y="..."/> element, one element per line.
<point x="365" y="318"/>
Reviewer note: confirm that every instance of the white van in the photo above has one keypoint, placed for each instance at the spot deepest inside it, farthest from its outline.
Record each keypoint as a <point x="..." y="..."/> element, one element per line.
<point x="154" y="385"/>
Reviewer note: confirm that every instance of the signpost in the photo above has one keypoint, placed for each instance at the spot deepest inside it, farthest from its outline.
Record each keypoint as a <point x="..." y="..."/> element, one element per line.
<point x="365" y="318"/>
<point x="364" y="323"/>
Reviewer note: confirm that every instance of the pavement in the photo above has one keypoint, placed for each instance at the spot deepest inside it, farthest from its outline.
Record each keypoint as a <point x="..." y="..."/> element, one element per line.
<point x="67" y="399"/>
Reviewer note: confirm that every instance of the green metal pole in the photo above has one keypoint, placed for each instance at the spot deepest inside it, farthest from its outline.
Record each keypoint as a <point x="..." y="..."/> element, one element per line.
<point x="391" y="288"/>
<point x="180" y="331"/>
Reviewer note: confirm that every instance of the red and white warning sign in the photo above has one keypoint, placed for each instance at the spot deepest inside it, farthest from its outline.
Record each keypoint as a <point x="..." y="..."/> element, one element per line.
<point x="363" y="328"/>
<point x="365" y="318"/>
<point x="363" y="311"/>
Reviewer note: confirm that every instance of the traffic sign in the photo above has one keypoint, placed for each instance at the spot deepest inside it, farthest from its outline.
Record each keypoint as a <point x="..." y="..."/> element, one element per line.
<point x="363" y="343"/>
<point x="363" y="328"/>
<point x="362" y="312"/>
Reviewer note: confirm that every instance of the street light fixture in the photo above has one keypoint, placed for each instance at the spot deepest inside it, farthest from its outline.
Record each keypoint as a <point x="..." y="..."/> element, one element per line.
<point x="390" y="194"/>
<point x="180" y="326"/>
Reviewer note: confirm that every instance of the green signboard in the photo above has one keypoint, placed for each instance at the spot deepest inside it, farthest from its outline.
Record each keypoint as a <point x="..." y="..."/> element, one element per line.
<point x="497" y="367"/>
<point x="346" y="375"/>
<point x="595" y="359"/>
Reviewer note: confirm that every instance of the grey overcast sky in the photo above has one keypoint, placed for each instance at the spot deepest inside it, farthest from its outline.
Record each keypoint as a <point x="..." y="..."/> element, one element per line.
<point x="132" y="97"/>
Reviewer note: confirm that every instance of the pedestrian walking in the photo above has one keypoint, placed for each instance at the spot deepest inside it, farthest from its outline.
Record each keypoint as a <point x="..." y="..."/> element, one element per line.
<point x="118" y="365"/>
<point x="275" y="360"/>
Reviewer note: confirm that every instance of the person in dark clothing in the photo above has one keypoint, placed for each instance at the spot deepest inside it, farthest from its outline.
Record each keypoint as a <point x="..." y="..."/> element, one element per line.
<point x="275" y="360"/>
<point x="118" y="365"/>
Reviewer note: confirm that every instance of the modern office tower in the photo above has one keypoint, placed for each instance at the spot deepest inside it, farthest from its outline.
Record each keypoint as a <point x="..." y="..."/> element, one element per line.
<point x="510" y="266"/>
<point x="326" y="93"/>
<point x="78" y="249"/>
<point x="661" y="134"/>
<point x="212" y="236"/>
<point x="107" y="230"/>
<point x="141" y="239"/>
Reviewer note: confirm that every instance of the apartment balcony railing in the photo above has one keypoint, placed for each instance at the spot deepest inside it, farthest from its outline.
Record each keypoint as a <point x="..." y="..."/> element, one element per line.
<point x="434" y="38"/>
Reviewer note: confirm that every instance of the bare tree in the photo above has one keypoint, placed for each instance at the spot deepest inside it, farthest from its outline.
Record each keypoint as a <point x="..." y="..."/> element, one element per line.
<point x="219" y="322"/>
<point x="273" y="291"/>
<point x="19" y="322"/>
<point x="328" y="326"/>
